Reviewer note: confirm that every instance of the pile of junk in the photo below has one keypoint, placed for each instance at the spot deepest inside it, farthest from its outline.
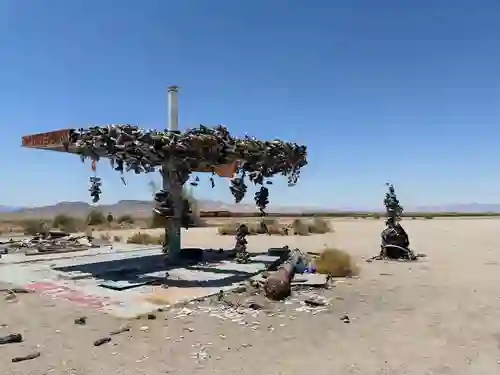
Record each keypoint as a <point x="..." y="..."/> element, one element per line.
<point x="52" y="241"/>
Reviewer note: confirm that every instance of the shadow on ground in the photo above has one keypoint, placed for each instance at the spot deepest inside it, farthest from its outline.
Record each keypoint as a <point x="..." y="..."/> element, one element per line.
<point x="198" y="268"/>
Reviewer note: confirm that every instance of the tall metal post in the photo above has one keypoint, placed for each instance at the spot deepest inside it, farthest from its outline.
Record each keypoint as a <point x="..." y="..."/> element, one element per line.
<point x="171" y="184"/>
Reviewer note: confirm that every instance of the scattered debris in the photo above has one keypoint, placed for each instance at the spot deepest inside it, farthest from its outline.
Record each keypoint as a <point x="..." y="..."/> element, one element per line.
<point x="81" y="321"/>
<point x="121" y="330"/>
<point x="10" y="296"/>
<point x="255" y="306"/>
<point x="345" y="318"/>
<point x="53" y="242"/>
<point x="102" y="341"/>
<point x="26" y="357"/>
<point x="11" y="339"/>
<point x="314" y="302"/>
<point x="201" y="355"/>
<point x="15" y="290"/>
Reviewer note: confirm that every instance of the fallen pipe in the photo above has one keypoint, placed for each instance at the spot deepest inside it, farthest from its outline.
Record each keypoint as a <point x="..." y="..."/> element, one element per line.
<point x="278" y="285"/>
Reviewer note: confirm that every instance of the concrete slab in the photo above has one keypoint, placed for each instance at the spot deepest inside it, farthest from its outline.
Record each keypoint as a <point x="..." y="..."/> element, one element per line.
<point x="130" y="293"/>
<point x="309" y="279"/>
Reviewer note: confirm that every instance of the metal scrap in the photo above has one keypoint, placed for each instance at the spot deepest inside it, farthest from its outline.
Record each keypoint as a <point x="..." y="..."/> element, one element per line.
<point x="11" y="339"/>
<point x="53" y="242"/>
<point x="26" y="357"/>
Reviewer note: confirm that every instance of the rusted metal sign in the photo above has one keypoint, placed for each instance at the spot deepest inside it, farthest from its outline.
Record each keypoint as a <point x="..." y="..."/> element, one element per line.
<point x="48" y="140"/>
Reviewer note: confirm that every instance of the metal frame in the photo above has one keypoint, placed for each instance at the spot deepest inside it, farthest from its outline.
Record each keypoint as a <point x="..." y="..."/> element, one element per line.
<point x="55" y="141"/>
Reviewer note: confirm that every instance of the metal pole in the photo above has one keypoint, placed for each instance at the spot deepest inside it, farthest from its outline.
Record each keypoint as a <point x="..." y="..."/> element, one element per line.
<point x="173" y="108"/>
<point x="170" y="183"/>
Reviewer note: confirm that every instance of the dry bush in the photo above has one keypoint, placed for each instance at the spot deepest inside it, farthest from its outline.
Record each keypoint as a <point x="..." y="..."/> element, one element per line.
<point x="67" y="223"/>
<point x="32" y="227"/>
<point x="145" y="239"/>
<point x="125" y="219"/>
<point x="266" y="226"/>
<point x="96" y="217"/>
<point x="117" y="239"/>
<point x="273" y="227"/>
<point x="320" y="226"/>
<point x="429" y="217"/>
<point x="228" y="229"/>
<point x="300" y="227"/>
<point x="105" y="237"/>
<point x="336" y="263"/>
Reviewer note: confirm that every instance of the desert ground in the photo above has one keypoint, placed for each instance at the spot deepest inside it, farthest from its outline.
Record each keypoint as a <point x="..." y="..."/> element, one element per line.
<point x="438" y="315"/>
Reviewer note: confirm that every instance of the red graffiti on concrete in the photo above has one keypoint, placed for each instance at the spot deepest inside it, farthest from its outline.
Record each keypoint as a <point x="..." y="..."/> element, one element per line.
<point x="63" y="292"/>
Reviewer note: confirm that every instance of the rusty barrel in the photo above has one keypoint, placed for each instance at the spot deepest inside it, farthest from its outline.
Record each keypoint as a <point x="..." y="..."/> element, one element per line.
<point x="278" y="284"/>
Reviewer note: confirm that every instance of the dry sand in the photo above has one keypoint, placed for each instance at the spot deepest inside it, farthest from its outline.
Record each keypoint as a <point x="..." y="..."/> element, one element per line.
<point x="436" y="316"/>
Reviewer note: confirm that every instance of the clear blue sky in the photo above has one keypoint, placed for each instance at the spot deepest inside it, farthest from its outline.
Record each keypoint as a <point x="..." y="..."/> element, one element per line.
<point x="406" y="91"/>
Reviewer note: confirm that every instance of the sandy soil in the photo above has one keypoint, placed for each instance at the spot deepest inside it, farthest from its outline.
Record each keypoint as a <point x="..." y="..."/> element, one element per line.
<point x="435" y="316"/>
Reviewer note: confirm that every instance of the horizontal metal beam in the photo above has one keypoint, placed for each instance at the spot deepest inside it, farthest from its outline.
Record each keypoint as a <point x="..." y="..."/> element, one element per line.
<point x="55" y="140"/>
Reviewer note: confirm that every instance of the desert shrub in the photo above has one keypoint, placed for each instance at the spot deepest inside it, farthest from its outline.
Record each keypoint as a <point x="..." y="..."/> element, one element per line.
<point x="376" y="216"/>
<point x="66" y="223"/>
<point x="105" y="236"/>
<point x="70" y="227"/>
<point x="125" y="219"/>
<point x="414" y="218"/>
<point x="117" y="239"/>
<point x="110" y="218"/>
<point x="265" y="226"/>
<point x="336" y="263"/>
<point x="96" y="217"/>
<point x="300" y="227"/>
<point x="61" y="220"/>
<point x="32" y="227"/>
<point x="228" y="229"/>
<point x="145" y="239"/>
<point x="273" y="228"/>
<point x="428" y="217"/>
<point x="320" y="226"/>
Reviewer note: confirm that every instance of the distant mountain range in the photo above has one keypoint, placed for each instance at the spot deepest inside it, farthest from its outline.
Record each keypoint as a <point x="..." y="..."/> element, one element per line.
<point x="139" y="208"/>
<point x="9" y="209"/>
